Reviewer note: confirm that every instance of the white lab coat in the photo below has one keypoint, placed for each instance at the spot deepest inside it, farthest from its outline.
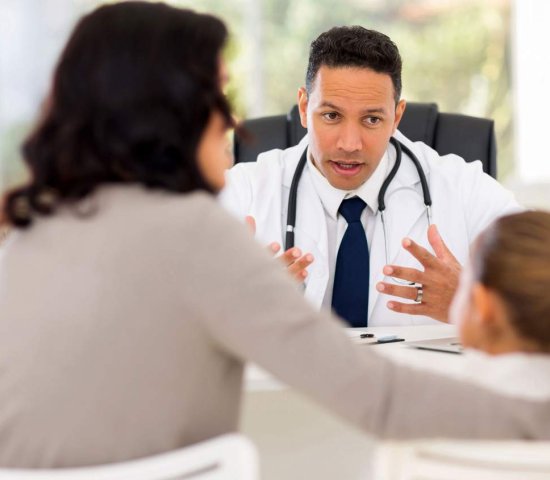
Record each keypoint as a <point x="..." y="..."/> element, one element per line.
<point x="465" y="200"/>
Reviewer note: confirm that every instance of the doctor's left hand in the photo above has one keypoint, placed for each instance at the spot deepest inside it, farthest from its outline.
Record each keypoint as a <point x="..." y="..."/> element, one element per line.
<point x="295" y="262"/>
<point x="439" y="280"/>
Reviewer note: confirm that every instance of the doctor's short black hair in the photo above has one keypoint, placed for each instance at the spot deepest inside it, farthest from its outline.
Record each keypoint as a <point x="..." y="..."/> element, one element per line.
<point x="355" y="46"/>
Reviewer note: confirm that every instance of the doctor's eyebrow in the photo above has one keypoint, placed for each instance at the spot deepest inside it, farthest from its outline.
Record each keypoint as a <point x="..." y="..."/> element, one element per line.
<point x="367" y="111"/>
<point x="329" y="105"/>
<point x="374" y="110"/>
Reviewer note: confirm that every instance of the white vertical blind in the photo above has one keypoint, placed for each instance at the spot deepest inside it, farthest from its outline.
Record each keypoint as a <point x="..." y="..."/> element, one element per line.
<point x="531" y="57"/>
<point x="255" y="85"/>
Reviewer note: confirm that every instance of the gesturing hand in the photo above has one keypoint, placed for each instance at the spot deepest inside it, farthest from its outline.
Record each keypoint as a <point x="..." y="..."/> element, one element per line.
<point x="295" y="262"/>
<point x="438" y="281"/>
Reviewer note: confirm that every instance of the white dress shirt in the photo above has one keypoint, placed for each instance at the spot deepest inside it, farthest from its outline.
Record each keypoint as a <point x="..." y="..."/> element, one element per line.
<point x="331" y="198"/>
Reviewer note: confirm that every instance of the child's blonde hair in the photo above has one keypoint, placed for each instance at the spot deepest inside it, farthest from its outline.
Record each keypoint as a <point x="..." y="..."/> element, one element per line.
<point x="512" y="257"/>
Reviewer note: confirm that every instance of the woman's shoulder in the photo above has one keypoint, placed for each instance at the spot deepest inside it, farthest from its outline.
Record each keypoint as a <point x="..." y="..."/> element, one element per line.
<point x="132" y="211"/>
<point x="151" y="205"/>
<point x="140" y="218"/>
<point x="196" y="215"/>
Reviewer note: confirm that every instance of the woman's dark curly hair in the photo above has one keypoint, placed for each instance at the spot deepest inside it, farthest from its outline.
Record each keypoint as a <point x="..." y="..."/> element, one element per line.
<point x="131" y="96"/>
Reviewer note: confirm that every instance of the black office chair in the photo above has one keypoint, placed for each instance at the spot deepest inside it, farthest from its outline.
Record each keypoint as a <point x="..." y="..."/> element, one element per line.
<point x="471" y="138"/>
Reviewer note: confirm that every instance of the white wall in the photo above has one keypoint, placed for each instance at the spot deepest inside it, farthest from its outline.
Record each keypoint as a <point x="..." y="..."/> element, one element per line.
<point x="531" y="66"/>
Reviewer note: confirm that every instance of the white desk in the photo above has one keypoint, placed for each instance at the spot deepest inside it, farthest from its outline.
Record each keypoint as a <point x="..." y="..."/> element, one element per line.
<point x="299" y="440"/>
<point x="260" y="380"/>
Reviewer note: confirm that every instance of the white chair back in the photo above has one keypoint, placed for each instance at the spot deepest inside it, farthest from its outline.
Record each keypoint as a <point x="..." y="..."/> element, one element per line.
<point x="228" y="457"/>
<point x="462" y="460"/>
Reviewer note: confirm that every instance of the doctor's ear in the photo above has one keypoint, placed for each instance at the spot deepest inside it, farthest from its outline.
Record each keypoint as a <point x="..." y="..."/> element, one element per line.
<point x="399" y="110"/>
<point x="302" y="106"/>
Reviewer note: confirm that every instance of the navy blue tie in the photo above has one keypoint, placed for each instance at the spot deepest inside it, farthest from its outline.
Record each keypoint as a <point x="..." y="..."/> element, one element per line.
<point x="350" y="296"/>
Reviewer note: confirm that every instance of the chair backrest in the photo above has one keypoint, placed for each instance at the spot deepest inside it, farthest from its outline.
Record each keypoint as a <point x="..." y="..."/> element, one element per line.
<point x="471" y="138"/>
<point x="229" y="457"/>
<point x="458" y="460"/>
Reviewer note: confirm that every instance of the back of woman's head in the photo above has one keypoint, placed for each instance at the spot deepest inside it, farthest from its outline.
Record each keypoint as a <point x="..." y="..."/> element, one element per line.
<point x="132" y="93"/>
<point x="512" y="258"/>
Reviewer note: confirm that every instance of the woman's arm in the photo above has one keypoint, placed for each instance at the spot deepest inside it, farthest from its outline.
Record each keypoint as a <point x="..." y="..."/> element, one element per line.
<point x="253" y="311"/>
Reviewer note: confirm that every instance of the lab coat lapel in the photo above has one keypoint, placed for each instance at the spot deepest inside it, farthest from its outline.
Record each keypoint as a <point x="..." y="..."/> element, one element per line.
<point x="404" y="210"/>
<point x="311" y="231"/>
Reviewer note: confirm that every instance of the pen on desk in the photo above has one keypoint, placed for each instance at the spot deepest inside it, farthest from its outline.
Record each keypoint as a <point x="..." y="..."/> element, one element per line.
<point x="366" y="335"/>
<point x="388" y="341"/>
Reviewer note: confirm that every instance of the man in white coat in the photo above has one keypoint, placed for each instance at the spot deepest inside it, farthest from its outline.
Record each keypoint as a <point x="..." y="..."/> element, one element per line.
<point x="351" y="107"/>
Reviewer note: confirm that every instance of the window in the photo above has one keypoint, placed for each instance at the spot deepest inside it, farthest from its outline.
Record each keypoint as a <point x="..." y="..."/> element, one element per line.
<point x="455" y="53"/>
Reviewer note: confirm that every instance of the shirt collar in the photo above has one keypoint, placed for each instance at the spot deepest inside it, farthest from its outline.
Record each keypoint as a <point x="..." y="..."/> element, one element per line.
<point x="331" y="197"/>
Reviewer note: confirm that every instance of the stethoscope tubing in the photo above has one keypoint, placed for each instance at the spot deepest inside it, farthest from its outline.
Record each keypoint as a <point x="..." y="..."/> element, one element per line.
<point x="399" y="149"/>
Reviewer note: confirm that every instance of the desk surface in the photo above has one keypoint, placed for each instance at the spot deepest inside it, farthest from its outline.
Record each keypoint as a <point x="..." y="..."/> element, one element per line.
<point x="260" y="380"/>
<point x="298" y="439"/>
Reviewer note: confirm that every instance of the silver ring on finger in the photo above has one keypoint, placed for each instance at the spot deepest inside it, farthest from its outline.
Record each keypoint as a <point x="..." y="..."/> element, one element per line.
<point x="419" y="294"/>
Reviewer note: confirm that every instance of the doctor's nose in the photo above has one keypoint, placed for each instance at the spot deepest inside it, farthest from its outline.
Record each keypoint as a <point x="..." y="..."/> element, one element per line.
<point x="349" y="139"/>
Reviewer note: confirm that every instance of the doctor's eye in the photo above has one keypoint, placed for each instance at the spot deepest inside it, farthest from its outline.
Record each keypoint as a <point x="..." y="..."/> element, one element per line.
<point x="331" y="116"/>
<point x="372" y="121"/>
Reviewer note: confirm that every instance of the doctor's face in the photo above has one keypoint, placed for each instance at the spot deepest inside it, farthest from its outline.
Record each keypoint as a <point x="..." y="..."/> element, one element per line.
<point x="350" y="115"/>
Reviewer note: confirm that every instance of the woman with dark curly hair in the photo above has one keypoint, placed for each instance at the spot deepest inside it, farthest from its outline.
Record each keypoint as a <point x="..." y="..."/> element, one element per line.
<point x="132" y="93"/>
<point x="130" y="300"/>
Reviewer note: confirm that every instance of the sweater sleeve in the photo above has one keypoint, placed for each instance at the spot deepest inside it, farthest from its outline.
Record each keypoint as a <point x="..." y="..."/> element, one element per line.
<point x="252" y="310"/>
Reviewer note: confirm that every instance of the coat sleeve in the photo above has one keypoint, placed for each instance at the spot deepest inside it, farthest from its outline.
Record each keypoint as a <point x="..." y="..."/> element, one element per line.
<point x="236" y="196"/>
<point x="250" y="309"/>
<point x="484" y="199"/>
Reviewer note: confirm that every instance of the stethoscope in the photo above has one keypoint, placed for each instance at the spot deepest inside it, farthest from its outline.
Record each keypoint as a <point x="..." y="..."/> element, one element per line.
<point x="399" y="149"/>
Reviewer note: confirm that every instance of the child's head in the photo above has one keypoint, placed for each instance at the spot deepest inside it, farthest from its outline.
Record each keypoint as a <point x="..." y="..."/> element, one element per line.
<point x="503" y="301"/>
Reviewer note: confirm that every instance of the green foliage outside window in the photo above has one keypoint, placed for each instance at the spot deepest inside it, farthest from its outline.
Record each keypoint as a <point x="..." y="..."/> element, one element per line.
<point x="455" y="53"/>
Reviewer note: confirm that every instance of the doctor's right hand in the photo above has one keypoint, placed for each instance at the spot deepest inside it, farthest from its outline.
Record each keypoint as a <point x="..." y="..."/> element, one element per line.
<point x="438" y="281"/>
<point x="295" y="262"/>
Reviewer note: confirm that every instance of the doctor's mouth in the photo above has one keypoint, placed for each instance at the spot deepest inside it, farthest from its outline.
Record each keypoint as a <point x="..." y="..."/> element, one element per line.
<point x="346" y="168"/>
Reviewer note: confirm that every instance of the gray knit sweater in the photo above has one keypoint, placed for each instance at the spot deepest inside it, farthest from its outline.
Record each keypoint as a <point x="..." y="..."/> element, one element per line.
<point x="123" y="333"/>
